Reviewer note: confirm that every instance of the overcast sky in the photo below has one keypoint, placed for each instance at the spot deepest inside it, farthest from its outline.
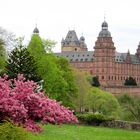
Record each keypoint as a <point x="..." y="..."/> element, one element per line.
<point x="55" y="17"/>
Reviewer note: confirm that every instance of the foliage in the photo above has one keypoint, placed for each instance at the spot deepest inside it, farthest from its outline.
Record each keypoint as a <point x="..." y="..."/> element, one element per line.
<point x="21" y="61"/>
<point x="103" y="102"/>
<point x="84" y="132"/>
<point x="8" y="38"/>
<point x="130" y="81"/>
<point x="35" y="47"/>
<point x="71" y="85"/>
<point x="83" y="90"/>
<point x="48" y="45"/>
<point x="91" y="118"/>
<point x="58" y="79"/>
<point x="9" y="131"/>
<point x="21" y="103"/>
<point x="2" y="54"/>
<point x="130" y="107"/>
<point x="93" y="81"/>
<point x="55" y="72"/>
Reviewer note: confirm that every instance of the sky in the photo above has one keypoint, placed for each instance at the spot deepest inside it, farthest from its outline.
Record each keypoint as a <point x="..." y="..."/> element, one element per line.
<point x="55" y="17"/>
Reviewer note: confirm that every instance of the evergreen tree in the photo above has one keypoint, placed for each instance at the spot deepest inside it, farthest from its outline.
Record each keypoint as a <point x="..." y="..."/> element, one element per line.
<point x="95" y="81"/>
<point x="20" y="61"/>
<point x="130" y="81"/>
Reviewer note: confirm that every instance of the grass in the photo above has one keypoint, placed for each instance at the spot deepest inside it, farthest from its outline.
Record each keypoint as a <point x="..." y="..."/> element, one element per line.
<point x="73" y="132"/>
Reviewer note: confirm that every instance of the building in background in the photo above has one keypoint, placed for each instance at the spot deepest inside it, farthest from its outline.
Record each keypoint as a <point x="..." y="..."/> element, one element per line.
<point x="111" y="67"/>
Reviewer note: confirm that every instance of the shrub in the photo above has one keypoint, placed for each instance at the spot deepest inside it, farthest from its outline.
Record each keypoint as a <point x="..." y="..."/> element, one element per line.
<point x="9" y="131"/>
<point x="23" y="104"/>
<point x="130" y="81"/>
<point x="91" y="118"/>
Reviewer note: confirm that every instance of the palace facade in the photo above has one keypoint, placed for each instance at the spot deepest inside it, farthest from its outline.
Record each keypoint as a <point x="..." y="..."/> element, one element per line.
<point x="111" y="67"/>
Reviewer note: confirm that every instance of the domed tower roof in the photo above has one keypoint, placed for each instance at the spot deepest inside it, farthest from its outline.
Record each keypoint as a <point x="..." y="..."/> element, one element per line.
<point x="104" y="32"/>
<point x="82" y="38"/>
<point x="36" y="31"/>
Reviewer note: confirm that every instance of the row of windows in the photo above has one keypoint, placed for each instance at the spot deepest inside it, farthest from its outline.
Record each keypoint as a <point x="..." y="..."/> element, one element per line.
<point x="86" y="59"/>
<point x="78" y="55"/>
<point x="118" y="78"/>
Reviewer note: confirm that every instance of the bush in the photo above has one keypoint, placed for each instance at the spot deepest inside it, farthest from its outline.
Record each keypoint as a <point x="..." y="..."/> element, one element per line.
<point x="93" y="119"/>
<point x="130" y="81"/>
<point x="9" y="131"/>
<point x="23" y="104"/>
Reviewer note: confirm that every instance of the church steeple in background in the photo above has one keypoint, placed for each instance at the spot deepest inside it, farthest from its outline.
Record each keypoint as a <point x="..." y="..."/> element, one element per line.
<point x="36" y="30"/>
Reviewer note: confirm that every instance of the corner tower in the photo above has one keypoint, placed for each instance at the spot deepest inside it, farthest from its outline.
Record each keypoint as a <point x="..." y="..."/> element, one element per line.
<point x="104" y="55"/>
<point x="72" y="43"/>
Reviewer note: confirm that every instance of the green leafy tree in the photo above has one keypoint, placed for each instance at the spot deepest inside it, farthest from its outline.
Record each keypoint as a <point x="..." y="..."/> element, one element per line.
<point x="2" y="55"/>
<point x="68" y="76"/>
<point x="48" y="45"/>
<point x="130" y="81"/>
<point x="103" y="102"/>
<point x="130" y="107"/>
<point x="20" y="61"/>
<point x="35" y="47"/>
<point x="58" y="79"/>
<point x="55" y="72"/>
<point x="83" y="90"/>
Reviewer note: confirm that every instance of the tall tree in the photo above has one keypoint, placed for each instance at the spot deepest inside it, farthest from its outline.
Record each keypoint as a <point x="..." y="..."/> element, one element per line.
<point x="48" y="45"/>
<point x="83" y="90"/>
<point x="20" y="61"/>
<point x="2" y="55"/>
<point x="56" y="73"/>
<point x="8" y="39"/>
<point x="103" y="102"/>
<point x="35" y="47"/>
<point x="68" y="75"/>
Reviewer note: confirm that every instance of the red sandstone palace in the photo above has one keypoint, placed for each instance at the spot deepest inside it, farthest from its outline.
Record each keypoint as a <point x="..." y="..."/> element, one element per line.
<point x="111" y="67"/>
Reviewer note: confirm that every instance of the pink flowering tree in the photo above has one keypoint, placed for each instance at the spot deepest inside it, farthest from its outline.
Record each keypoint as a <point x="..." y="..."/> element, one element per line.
<point x="20" y="102"/>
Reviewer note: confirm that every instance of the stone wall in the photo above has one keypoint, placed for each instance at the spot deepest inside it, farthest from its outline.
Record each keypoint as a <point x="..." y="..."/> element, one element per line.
<point x="121" y="124"/>
<point x="117" y="90"/>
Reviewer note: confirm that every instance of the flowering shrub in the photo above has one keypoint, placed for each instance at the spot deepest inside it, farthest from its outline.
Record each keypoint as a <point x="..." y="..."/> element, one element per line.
<point x="20" y="102"/>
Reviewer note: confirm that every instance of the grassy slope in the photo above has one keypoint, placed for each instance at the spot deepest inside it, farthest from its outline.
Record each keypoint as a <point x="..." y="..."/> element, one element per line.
<point x="73" y="132"/>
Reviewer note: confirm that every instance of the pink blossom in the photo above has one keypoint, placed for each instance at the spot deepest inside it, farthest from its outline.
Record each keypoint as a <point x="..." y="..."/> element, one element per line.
<point x="20" y="102"/>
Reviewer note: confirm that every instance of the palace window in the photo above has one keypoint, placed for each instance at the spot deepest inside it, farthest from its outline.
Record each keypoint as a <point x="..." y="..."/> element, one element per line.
<point x="102" y="77"/>
<point x="109" y="77"/>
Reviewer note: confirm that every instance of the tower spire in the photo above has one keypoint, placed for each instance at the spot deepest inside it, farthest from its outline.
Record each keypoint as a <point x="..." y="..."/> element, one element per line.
<point x="104" y="16"/>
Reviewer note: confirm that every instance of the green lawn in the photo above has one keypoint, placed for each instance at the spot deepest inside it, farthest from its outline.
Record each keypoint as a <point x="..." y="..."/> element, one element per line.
<point x="73" y="132"/>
